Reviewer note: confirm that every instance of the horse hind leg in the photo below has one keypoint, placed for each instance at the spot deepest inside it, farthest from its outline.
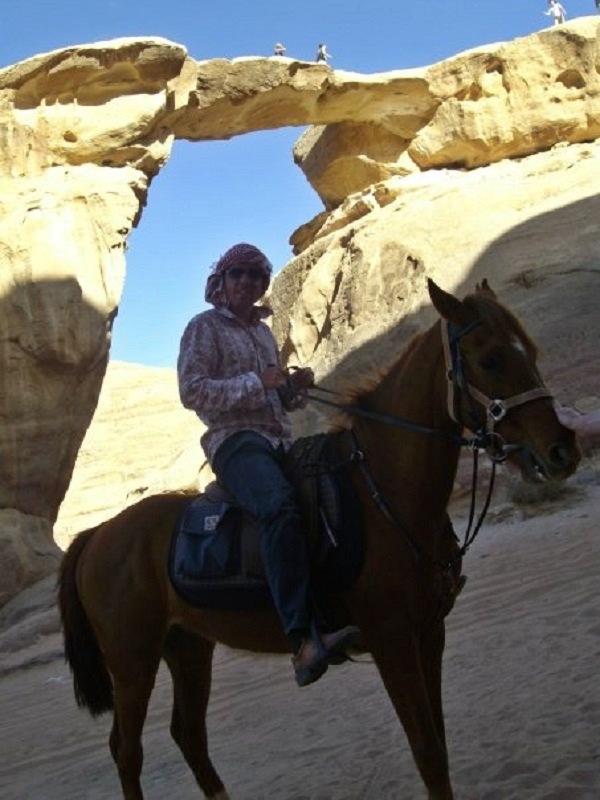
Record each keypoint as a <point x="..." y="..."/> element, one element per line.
<point x="189" y="658"/>
<point x="132" y="692"/>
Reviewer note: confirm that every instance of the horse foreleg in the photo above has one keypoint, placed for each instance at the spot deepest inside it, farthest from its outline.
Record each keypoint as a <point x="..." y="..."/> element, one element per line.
<point x="399" y="658"/>
<point x="189" y="658"/>
<point x="432" y="650"/>
<point x="131" y="696"/>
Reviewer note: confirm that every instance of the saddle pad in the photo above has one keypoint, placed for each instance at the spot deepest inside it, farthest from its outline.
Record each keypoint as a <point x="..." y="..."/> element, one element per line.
<point x="207" y="562"/>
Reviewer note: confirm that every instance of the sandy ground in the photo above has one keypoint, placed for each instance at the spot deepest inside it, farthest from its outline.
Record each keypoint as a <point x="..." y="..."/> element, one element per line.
<point x="522" y="691"/>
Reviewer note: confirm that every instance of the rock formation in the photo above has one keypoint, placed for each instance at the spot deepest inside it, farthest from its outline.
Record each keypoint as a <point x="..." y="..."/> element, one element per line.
<point x="142" y="441"/>
<point x="482" y="165"/>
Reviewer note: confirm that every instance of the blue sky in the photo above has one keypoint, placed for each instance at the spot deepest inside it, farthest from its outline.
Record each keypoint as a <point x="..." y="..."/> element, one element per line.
<point x="213" y="194"/>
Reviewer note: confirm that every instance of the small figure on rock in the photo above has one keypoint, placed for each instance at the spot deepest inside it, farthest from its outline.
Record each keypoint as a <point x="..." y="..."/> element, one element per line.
<point x="557" y="12"/>
<point x="279" y="49"/>
<point x="322" y="55"/>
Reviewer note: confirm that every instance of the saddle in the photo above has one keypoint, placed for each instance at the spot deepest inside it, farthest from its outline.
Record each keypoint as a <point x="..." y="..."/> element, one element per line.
<point x="214" y="559"/>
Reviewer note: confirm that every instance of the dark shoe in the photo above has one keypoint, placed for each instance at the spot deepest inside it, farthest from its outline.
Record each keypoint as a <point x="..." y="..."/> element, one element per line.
<point x="338" y="643"/>
<point x="316" y="654"/>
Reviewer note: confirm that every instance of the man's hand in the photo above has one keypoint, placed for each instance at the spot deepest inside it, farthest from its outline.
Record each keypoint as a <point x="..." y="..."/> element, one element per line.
<point x="294" y="394"/>
<point x="302" y="378"/>
<point x="273" y="377"/>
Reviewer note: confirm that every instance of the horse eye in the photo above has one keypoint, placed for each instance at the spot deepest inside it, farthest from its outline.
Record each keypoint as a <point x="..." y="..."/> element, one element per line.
<point x="489" y="362"/>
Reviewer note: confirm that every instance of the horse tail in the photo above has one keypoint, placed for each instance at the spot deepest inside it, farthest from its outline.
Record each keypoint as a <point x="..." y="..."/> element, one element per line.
<point x="91" y="681"/>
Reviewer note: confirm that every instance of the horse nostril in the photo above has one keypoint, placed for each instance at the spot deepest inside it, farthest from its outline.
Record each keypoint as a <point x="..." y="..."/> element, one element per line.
<point x="560" y="455"/>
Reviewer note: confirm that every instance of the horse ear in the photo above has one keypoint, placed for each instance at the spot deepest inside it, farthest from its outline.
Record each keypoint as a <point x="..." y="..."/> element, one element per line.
<point x="447" y="306"/>
<point x="485" y="288"/>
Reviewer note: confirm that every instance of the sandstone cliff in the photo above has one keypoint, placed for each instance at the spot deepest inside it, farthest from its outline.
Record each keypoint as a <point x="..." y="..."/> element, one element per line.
<point x="485" y="164"/>
<point x="142" y="441"/>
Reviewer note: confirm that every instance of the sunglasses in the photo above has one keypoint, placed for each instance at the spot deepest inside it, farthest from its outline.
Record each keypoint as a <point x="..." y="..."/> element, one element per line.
<point x="254" y="273"/>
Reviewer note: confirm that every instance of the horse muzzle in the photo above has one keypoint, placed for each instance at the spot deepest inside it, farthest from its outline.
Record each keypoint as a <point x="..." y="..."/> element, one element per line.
<point x="555" y="464"/>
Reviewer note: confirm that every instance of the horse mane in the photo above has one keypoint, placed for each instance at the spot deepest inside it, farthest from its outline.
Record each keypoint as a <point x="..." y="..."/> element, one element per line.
<point x="370" y="381"/>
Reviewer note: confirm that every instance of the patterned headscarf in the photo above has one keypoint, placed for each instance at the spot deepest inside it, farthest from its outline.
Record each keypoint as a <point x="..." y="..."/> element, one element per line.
<point x="237" y="256"/>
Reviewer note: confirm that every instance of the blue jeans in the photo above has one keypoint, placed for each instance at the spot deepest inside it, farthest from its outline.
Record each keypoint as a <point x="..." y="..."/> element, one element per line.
<point x="252" y="471"/>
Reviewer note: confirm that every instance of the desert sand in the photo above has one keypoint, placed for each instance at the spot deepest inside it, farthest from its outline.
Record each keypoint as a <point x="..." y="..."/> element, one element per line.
<point x="522" y="689"/>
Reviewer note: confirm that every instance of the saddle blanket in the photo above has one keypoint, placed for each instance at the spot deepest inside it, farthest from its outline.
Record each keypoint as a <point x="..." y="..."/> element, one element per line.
<point x="214" y="561"/>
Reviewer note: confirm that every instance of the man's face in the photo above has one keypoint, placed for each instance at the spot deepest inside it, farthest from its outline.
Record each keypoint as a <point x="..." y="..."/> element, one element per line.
<point x="244" y="285"/>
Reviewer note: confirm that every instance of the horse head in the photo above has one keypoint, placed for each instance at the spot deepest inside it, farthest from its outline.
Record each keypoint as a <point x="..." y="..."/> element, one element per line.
<point x="495" y="386"/>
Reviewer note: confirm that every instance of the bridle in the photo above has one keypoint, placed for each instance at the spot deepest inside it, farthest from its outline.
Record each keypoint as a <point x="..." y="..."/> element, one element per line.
<point x="495" y="408"/>
<point x="485" y="438"/>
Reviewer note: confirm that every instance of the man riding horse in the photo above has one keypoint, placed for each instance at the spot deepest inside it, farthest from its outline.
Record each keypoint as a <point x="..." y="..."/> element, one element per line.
<point x="230" y="375"/>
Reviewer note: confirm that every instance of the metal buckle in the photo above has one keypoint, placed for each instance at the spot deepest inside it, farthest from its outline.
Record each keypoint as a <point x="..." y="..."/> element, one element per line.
<point x="496" y="410"/>
<point x="357" y="456"/>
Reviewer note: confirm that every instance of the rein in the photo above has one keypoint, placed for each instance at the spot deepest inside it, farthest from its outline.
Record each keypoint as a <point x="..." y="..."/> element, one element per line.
<point x="358" y="457"/>
<point x="496" y="448"/>
<point x="397" y="422"/>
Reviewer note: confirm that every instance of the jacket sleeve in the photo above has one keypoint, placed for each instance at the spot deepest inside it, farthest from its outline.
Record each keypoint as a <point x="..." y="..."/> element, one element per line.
<point x="202" y="387"/>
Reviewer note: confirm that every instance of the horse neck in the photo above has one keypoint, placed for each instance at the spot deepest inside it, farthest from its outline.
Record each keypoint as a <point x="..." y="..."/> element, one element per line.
<point x="414" y="471"/>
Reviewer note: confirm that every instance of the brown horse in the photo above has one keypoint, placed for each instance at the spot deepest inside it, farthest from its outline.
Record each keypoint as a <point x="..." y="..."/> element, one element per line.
<point x="121" y="616"/>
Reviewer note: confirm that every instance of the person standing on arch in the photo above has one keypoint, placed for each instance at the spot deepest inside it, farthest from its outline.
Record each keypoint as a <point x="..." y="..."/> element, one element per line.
<point x="322" y="55"/>
<point x="557" y="12"/>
